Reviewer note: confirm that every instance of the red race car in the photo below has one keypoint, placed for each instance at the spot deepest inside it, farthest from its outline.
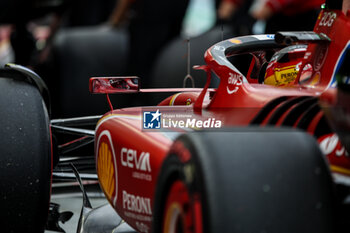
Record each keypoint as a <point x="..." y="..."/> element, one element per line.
<point x="265" y="151"/>
<point x="227" y="159"/>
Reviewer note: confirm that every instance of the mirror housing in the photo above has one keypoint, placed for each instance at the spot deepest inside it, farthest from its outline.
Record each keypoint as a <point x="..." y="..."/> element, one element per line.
<point x="114" y="85"/>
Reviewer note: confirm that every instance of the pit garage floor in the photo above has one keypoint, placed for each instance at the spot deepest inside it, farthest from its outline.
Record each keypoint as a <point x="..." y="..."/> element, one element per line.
<point x="70" y="199"/>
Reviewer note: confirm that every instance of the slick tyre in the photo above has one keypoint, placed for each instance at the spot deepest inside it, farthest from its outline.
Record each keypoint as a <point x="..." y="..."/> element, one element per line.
<point x="251" y="180"/>
<point x="25" y="157"/>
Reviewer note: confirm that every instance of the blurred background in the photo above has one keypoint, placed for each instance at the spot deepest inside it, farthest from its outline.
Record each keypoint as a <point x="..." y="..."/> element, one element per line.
<point x="68" y="41"/>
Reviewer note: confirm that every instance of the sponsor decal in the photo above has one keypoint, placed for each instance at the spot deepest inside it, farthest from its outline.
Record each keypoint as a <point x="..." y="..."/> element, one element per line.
<point x="264" y="37"/>
<point x="219" y="48"/>
<point x="140" y="162"/>
<point x="137" y="204"/>
<point x="106" y="165"/>
<point x="288" y="76"/>
<point x="130" y="158"/>
<point x="234" y="80"/>
<point x="182" y="120"/>
<point x="105" y="169"/>
<point x="336" y="154"/>
<point x="235" y="41"/>
<point x="142" y="227"/>
<point x="283" y="76"/>
<point x="140" y="217"/>
<point x="330" y="144"/>
<point x="141" y="176"/>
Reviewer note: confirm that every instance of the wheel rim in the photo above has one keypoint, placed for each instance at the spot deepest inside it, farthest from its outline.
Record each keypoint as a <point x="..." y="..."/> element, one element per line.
<point x="182" y="211"/>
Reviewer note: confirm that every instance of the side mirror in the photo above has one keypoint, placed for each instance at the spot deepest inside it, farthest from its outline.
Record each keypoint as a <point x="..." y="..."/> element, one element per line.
<point x="114" y="85"/>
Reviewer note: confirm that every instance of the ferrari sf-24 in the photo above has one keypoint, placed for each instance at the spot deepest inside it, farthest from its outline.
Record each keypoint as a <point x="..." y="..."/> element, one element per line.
<point x="264" y="151"/>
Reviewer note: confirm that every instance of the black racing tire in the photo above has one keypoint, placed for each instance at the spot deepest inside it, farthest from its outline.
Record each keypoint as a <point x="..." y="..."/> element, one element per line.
<point x="25" y="157"/>
<point x="246" y="180"/>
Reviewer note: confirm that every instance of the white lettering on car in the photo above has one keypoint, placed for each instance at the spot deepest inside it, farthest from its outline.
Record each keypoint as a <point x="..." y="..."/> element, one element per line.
<point x="328" y="19"/>
<point x="138" y="204"/>
<point x="142" y="227"/>
<point x="234" y="79"/>
<point x="130" y="158"/>
<point x="331" y="144"/>
<point x="219" y="48"/>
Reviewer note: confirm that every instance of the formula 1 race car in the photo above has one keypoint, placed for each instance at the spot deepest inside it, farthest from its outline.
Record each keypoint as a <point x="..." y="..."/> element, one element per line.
<point x="265" y="151"/>
<point x="164" y="171"/>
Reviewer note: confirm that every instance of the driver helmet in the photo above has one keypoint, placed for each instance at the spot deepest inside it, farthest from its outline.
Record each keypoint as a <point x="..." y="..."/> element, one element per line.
<point x="283" y="67"/>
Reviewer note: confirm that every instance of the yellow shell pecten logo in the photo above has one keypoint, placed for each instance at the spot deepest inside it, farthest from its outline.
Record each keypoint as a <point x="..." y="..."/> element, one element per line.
<point x="105" y="169"/>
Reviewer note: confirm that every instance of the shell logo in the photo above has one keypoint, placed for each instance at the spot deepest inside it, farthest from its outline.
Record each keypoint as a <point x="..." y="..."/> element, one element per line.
<point x="106" y="167"/>
<point x="235" y="41"/>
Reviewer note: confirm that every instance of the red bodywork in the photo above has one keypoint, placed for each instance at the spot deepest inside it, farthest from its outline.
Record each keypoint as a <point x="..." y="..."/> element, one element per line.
<point x="129" y="158"/>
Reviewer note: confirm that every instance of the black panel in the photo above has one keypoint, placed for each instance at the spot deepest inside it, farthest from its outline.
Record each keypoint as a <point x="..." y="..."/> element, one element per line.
<point x="284" y="107"/>
<point x="308" y="117"/>
<point x="298" y="110"/>
<point x="264" y="112"/>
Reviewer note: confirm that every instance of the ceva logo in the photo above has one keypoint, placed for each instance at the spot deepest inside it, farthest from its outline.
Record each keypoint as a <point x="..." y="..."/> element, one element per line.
<point x="130" y="158"/>
<point x="152" y="120"/>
